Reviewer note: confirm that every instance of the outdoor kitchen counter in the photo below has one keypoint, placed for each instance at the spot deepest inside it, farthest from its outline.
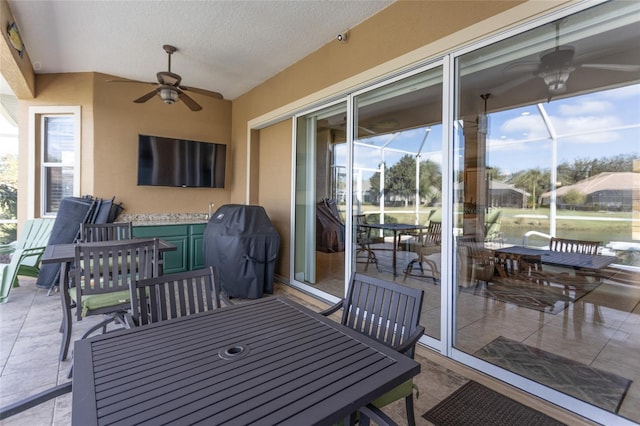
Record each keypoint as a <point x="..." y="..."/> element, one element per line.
<point x="184" y="231"/>
<point x="152" y="219"/>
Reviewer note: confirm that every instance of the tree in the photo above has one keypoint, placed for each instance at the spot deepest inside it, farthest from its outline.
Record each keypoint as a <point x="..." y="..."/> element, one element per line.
<point x="534" y="181"/>
<point x="8" y="196"/>
<point x="401" y="179"/>
<point x="574" y="198"/>
<point x="430" y="182"/>
<point x="8" y="187"/>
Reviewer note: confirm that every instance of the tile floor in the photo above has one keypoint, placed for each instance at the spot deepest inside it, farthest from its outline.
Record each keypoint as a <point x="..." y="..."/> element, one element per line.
<point x="30" y="341"/>
<point x="600" y="330"/>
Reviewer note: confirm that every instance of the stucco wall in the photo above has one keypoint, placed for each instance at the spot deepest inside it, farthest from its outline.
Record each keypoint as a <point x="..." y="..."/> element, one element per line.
<point x="111" y="122"/>
<point x="401" y="35"/>
<point x="274" y="192"/>
<point x="405" y="33"/>
<point x="117" y="123"/>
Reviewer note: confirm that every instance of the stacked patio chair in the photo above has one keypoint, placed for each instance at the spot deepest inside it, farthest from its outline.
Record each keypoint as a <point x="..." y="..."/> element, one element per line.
<point x="389" y="313"/>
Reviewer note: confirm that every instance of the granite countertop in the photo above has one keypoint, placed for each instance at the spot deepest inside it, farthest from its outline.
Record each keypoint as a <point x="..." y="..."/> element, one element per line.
<point x="150" y="219"/>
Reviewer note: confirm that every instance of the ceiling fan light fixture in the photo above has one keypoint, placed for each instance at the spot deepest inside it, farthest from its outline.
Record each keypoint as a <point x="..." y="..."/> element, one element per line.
<point x="168" y="95"/>
<point x="556" y="79"/>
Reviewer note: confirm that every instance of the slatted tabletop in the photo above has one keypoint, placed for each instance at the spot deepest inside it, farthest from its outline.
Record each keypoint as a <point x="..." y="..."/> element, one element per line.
<point x="65" y="253"/>
<point x="569" y="260"/>
<point x="269" y="361"/>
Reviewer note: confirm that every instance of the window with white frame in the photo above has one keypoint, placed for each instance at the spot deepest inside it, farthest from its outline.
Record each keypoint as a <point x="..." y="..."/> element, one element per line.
<point x="54" y="155"/>
<point x="58" y="160"/>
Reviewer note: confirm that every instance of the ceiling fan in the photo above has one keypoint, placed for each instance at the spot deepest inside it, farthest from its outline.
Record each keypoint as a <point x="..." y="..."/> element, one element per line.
<point x="169" y="88"/>
<point x="555" y="68"/>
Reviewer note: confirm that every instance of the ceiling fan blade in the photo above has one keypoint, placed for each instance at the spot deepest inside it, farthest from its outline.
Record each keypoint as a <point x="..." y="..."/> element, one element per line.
<point x="168" y="78"/>
<point x="193" y="105"/>
<point x="146" y="97"/>
<point x="613" y="67"/>
<point x="202" y="92"/>
<point x="132" y="81"/>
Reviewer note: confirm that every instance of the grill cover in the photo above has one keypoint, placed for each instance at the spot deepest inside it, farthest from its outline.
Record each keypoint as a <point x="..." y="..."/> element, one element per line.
<point x="329" y="227"/>
<point x="242" y="245"/>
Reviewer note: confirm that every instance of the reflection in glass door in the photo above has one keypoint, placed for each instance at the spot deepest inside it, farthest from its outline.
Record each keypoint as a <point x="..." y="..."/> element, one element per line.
<point x="548" y="149"/>
<point x="320" y="200"/>
<point x="397" y="186"/>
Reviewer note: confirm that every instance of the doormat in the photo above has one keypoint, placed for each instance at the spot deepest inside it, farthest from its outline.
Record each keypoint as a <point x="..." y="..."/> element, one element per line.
<point x="597" y="387"/>
<point x="548" y="299"/>
<point x="474" y="404"/>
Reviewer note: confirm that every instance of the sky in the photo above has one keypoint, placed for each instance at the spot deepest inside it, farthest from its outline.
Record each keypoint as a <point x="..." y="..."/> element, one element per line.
<point x="8" y="137"/>
<point x="602" y="124"/>
<point x="596" y="125"/>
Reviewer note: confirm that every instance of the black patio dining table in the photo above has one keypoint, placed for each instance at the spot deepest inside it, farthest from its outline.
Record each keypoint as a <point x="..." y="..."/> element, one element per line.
<point x="266" y="361"/>
<point x="594" y="262"/>
<point x="395" y="228"/>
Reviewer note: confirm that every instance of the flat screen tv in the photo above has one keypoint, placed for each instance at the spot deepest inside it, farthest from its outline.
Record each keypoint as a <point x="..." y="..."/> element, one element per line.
<point x="178" y="162"/>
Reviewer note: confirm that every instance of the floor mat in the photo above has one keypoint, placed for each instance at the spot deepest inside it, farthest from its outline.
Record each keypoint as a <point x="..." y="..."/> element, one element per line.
<point x="597" y="387"/>
<point x="549" y="299"/>
<point x="474" y="404"/>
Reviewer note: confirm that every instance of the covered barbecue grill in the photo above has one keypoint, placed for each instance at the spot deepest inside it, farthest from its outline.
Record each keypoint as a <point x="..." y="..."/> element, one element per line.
<point x="242" y="245"/>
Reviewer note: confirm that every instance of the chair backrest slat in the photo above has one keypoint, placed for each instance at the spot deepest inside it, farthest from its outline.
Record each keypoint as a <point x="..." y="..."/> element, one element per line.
<point x="174" y="295"/>
<point x="574" y="246"/>
<point x="385" y="311"/>
<point x="109" y="267"/>
<point x="94" y="232"/>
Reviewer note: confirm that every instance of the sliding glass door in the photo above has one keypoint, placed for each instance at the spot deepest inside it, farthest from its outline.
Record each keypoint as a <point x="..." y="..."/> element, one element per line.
<point x="397" y="185"/>
<point x="459" y="176"/>
<point x="547" y="125"/>
<point x="320" y="200"/>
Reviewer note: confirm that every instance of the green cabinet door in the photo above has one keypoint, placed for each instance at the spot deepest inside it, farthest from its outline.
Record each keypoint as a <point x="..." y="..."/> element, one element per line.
<point x="196" y="246"/>
<point x="176" y="260"/>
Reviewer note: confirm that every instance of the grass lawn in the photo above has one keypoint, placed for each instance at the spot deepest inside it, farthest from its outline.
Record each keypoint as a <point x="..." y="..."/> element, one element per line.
<point x="596" y="226"/>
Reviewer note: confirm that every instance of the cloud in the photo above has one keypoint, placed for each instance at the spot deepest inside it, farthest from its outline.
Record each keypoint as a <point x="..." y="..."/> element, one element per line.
<point x="621" y="93"/>
<point x="587" y="128"/>
<point x="586" y="107"/>
<point x="524" y="127"/>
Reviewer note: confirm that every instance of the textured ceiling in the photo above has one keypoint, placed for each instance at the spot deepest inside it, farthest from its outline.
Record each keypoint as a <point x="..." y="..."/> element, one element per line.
<point x="223" y="46"/>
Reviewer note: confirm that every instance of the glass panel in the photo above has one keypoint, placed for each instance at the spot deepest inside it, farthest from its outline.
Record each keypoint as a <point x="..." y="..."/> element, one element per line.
<point x="60" y="185"/>
<point x="397" y="186"/>
<point x="59" y="141"/>
<point x="58" y="148"/>
<point x="320" y="199"/>
<point x="546" y="134"/>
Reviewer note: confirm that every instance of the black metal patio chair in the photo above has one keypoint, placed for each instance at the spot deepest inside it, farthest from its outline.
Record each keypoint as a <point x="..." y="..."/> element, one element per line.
<point x="100" y="281"/>
<point x="174" y="295"/>
<point x="389" y="313"/>
<point x="94" y="232"/>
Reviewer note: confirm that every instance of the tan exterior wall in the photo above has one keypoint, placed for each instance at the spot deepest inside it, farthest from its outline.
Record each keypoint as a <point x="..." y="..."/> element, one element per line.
<point x="111" y="123"/>
<point x="274" y="179"/>
<point x="55" y="90"/>
<point x="117" y="123"/>
<point x="258" y="162"/>
<point x="403" y="34"/>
